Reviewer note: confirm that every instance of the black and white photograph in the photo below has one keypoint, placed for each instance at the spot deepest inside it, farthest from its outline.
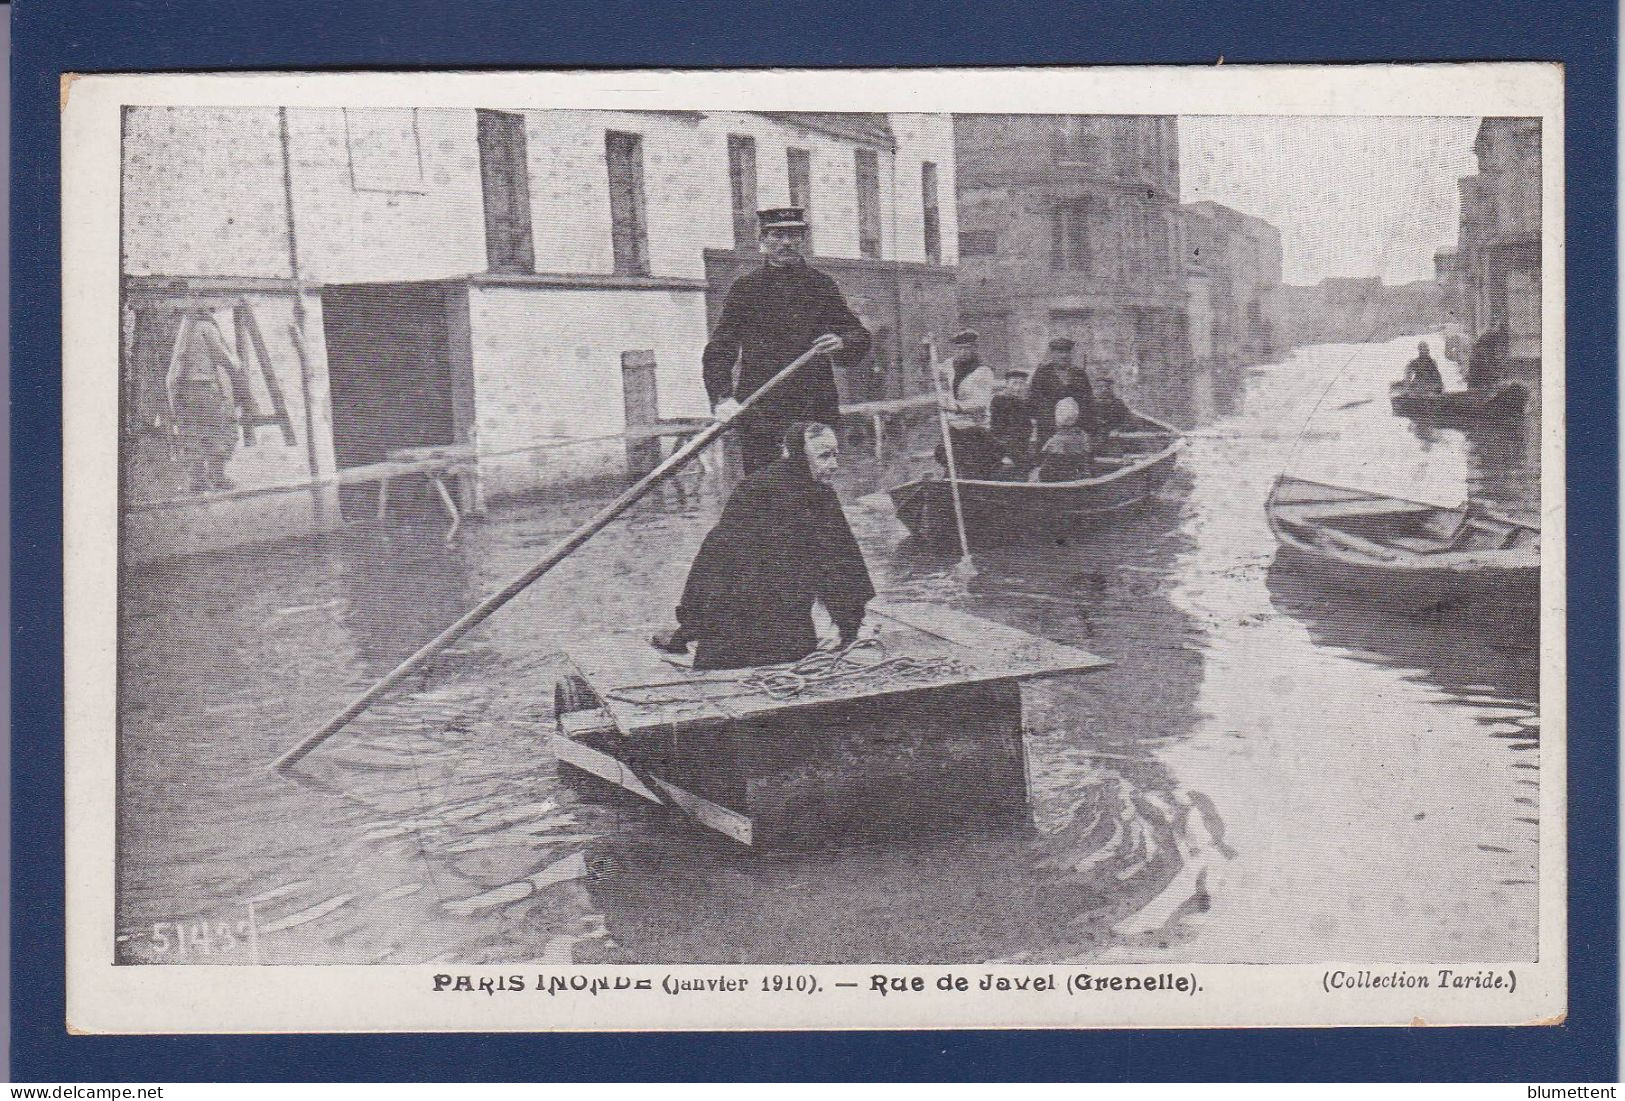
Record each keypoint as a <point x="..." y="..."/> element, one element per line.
<point x="1062" y="548"/>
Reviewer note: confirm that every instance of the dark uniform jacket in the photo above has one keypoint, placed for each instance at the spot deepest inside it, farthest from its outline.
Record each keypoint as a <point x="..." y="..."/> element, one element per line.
<point x="1052" y="382"/>
<point x="781" y="543"/>
<point x="770" y="316"/>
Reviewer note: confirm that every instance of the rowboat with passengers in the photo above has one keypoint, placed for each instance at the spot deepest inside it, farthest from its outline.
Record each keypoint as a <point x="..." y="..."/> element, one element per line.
<point x="1130" y="469"/>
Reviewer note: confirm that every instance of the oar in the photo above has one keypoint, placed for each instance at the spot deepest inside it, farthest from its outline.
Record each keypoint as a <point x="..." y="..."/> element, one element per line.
<point x="966" y="569"/>
<point x="477" y="615"/>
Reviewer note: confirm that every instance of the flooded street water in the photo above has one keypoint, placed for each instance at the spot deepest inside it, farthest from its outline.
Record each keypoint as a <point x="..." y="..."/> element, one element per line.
<point x="1265" y="774"/>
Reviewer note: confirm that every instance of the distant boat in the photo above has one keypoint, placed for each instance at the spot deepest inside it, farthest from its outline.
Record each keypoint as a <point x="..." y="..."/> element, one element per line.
<point x="1002" y="511"/>
<point x="1504" y="401"/>
<point x="1416" y="553"/>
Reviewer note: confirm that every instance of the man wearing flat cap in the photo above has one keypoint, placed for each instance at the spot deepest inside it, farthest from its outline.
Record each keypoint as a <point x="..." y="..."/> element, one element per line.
<point x="967" y="398"/>
<point x="770" y="316"/>
<point x="1056" y="378"/>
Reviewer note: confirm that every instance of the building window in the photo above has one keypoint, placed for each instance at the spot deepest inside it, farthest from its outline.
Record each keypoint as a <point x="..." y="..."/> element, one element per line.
<point x="384" y="151"/>
<point x="978" y="242"/>
<point x="932" y="214"/>
<point x="798" y="164"/>
<point x="742" y="186"/>
<point x="867" y="166"/>
<point x="1069" y="242"/>
<point x="627" y="213"/>
<point x="505" y="188"/>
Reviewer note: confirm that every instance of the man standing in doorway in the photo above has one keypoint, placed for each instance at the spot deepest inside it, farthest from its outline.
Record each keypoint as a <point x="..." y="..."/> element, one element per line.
<point x="206" y="390"/>
<point x="770" y="316"/>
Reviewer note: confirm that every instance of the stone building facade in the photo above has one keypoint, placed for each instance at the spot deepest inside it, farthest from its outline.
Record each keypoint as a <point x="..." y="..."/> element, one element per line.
<point x="1495" y="272"/>
<point x="1070" y="225"/>
<point x="1233" y="271"/>
<point x="493" y="278"/>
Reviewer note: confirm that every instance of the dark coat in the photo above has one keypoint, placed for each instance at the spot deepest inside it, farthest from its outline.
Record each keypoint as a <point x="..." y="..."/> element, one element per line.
<point x="782" y="542"/>
<point x="1011" y="424"/>
<point x="770" y="316"/>
<point x="1052" y="382"/>
<point x="1422" y="373"/>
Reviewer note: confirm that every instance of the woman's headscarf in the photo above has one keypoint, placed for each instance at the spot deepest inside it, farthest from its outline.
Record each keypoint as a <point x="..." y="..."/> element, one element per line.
<point x="795" y="443"/>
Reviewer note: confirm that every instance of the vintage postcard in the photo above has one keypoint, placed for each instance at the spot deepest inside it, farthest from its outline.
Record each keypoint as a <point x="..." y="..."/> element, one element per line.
<point x="752" y="550"/>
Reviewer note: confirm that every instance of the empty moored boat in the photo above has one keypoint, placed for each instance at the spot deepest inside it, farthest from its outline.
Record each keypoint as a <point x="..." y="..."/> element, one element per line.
<point x="1417" y="553"/>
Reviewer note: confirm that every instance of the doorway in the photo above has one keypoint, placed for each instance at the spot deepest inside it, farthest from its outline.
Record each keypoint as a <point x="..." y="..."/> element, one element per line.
<point x="389" y="368"/>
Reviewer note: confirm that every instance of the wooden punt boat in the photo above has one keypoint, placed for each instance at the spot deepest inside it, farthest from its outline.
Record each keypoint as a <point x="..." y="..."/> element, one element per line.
<point x="1417" y="554"/>
<point x="1504" y="401"/>
<point x="1136" y="463"/>
<point x="925" y="733"/>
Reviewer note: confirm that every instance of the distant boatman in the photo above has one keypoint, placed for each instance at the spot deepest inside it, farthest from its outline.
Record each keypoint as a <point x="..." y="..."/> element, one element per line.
<point x="1422" y="373"/>
<point x="781" y="544"/>
<point x="770" y="316"/>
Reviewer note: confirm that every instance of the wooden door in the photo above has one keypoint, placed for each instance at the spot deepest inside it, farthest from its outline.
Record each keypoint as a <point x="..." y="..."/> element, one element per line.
<point x="641" y="395"/>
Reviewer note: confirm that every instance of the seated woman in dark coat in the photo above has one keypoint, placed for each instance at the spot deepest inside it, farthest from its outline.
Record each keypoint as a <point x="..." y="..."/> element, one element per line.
<point x="781" y="544"/>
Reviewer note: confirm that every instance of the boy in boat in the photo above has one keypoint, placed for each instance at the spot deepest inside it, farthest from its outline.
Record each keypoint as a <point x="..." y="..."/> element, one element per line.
<point x="977" y="454"/>
<point x="770" y="316"/>
<point x="1011" y="424"/>
<point x="781" y="544"/>
<point x="1422" y="373"/>
<point x="1066" y="454"/>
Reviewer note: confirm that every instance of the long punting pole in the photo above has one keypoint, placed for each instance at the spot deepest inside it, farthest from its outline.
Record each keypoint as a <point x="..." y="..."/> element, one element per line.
<point x="561" y="550"/>
<point x="966" y="568"/>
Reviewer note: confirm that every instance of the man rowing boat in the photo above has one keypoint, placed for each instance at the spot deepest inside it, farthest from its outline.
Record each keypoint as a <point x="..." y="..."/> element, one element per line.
<point x="781" y="544"/>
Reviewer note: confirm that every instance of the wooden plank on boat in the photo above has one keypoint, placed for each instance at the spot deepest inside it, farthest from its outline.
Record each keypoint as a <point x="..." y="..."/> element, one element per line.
<point x="642" y="689"/>
<point x="605" y="767"/>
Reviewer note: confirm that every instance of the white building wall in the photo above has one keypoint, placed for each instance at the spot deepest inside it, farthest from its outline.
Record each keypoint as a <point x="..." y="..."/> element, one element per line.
<point x="352" y="233"/>
<point x="194" y="204"/>
<point x="204" y="195"/>
<point x="922" y="138"/>
<point x="547" y="362"/>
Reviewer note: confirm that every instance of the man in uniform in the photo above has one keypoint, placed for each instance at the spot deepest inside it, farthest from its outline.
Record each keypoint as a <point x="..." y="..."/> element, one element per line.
<point x="1056" y="378"/>
<point x="770" y="316"/>
<point x="781" y="544"/>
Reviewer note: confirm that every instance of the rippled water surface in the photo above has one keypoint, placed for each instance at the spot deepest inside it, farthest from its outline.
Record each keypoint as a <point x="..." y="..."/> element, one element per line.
<point x="1266" y="774"/>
